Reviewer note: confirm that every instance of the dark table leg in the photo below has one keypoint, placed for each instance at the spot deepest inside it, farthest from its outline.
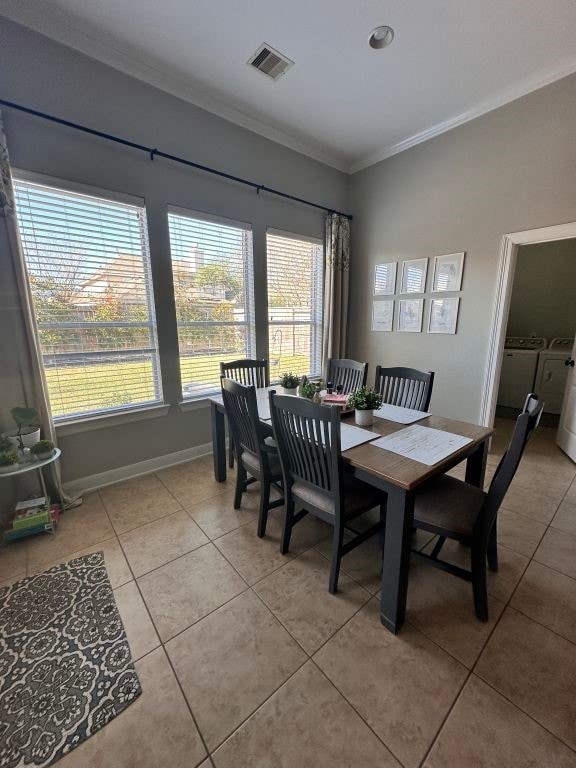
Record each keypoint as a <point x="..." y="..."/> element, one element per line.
<point x="396" y="559"/>
<point x="476" y="465"/>
<point x="218" y="442"/>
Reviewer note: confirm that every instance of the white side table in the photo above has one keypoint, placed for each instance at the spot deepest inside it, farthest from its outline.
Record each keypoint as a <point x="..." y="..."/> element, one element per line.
<point x="37" y="465"/>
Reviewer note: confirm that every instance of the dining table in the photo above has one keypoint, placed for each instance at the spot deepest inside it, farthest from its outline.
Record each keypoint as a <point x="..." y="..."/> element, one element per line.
<point x="398" y="476"/>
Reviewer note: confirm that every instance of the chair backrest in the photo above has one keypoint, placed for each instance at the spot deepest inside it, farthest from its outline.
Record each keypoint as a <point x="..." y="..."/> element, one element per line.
<point x="524" y="429"/>
<point x="246" y="371"/>
<point x="242" y="411"/>
<point x="308" y="438"/>
<point x="349" y="373"/>
<point x="406" y="387"/>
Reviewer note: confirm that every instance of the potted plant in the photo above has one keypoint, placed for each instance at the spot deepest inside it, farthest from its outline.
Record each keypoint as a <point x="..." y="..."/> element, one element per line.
<point x="43" y="449"/>
<point x="8" y="461"/>
<point x="309" y="389"/>
<point x="27" y="431"/>
<point x="5" y="444"/>
<point x="290" y="382"/>
<point x="364" y="401"/>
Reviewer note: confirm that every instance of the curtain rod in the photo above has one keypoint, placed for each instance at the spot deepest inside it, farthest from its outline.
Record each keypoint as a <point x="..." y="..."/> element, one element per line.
<point x="155" y="152"/>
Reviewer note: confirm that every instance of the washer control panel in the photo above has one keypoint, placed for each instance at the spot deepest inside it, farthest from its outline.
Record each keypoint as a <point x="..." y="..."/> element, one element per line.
<point x="525" y="342"/>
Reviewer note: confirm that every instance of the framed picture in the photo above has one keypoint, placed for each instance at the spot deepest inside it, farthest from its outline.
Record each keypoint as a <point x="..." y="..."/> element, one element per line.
<point x="448" y="272"/>
<point x="382" y="315"/>
<point x="410" y="313"/>
<point x="385" y="279"/>
<point x="443" y="315"/>
<point x="414" y="276"/>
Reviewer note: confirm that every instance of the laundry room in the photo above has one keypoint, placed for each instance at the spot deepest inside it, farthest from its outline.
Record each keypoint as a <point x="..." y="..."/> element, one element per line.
<point x="541" y="327"/>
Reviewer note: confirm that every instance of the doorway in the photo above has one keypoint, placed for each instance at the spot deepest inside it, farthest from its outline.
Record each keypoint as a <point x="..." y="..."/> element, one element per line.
<point x="534" y="309"/>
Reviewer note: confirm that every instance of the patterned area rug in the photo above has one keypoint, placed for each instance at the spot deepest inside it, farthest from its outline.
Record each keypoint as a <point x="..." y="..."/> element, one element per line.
<point x="65" y="664"/>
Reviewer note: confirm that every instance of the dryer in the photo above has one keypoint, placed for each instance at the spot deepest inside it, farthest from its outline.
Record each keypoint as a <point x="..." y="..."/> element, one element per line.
<point x="552" y="373"/>
<point x="518" y="372"/>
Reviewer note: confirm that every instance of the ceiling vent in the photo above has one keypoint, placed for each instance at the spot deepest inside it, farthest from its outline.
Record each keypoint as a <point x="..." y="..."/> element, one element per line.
<point x="270" y="62"/>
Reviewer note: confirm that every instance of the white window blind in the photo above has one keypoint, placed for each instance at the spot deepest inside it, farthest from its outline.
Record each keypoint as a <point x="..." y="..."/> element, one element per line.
<point x="89" y="270"/>
<point x="214" y="291"/>
<point x="295" y="295"/>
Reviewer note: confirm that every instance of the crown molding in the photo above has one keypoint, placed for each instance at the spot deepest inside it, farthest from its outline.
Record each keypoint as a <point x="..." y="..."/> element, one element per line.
<point x="47" y="21"/>
<point x="511" y="94"/>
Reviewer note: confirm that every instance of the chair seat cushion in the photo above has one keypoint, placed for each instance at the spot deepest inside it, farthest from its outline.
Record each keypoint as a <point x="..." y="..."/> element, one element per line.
<point x="449" y="504"/>
<point x="252" y="464"/>
<point x="358" y="496"/>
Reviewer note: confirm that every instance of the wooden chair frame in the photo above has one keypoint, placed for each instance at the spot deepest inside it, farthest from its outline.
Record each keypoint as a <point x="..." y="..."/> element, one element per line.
<point x="406" y="387"/>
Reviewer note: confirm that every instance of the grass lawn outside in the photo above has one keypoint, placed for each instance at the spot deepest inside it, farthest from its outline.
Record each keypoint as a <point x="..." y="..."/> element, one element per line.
<point x="80" y="389"/>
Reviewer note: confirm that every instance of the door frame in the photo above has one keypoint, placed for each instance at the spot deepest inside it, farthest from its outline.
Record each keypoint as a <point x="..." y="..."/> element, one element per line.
<point x="506" y="268"/>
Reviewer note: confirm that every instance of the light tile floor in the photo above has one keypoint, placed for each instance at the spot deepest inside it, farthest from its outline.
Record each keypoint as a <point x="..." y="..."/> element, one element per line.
<point x="247" y="661"/>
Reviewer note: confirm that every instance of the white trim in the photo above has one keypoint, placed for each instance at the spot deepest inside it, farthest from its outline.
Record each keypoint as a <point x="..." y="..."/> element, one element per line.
<point x="189" y="213"/>
<point x="110" y="419"/>
<point x="512" y="94"/>
<point x="202" y="401"/>
<point x="54" y="23"/>
<point x="294" y="236"/>
<point x="92" y="482"/>
<point x="508" y="253"/>
<point x="67" y="185"/>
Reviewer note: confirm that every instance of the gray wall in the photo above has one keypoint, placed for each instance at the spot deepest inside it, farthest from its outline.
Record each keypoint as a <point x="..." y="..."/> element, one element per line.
<point x="510" y="170"/>
<point x="544" y="291"/>
<point x="47" y="76"/>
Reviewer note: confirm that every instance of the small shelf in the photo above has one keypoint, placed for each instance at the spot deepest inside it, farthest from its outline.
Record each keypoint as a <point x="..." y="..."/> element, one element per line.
<point x="29" y="466"/>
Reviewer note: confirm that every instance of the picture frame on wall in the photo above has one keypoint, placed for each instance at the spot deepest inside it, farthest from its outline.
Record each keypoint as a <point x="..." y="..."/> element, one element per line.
<point x="444" y="315"/>
<point x="382" y="314"/>
<point x="448" y="271"/>
<point x="385" y="279"/>
<point x="414" y="274"/>
<point x="410" y="312"/>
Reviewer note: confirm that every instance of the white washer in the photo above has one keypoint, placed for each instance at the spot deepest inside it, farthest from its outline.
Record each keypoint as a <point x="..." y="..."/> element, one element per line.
<point x="552" y="373"/>
<point x="519" y="366"/>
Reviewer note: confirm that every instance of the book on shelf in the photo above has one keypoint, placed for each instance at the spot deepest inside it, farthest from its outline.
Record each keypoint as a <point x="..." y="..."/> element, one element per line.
<point x="43" y="522"/>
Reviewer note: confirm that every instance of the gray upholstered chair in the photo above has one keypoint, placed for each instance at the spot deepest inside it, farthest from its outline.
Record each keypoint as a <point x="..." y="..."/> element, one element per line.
<point x="350" y="374"/>
<point x="406" y="387"/>
<point x="315" y="479"/>
<point x="256" y="454"/>
<point x="453" y="509"/>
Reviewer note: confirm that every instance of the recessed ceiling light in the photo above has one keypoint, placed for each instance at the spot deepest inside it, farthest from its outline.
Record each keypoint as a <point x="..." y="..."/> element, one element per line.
<point x="381" y="37"/>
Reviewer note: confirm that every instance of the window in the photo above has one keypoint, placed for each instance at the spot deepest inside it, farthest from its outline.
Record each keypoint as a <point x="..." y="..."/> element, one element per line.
<point x="214" y="292"/>
<point x="89" y="270"/>
<point x="295" y="294"/>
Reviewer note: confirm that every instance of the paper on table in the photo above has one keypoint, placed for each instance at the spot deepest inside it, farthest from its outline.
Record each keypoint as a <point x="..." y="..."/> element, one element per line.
<point x="423" y="444"/>
<point x="400" y="415"/>
<point x="351" y="436"/>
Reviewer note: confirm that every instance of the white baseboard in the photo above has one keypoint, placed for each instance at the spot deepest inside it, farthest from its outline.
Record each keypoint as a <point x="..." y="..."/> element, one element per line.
<point x="92" y="482"/>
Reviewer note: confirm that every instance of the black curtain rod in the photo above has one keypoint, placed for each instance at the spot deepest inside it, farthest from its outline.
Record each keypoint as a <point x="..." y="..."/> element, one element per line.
<point x="154" y="152"/>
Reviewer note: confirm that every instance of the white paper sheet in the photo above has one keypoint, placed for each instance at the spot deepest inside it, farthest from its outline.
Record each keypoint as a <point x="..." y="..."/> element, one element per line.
<point x="351" y="436"/>
<point x="400" y="415"/>
<point x="423" y="444"/>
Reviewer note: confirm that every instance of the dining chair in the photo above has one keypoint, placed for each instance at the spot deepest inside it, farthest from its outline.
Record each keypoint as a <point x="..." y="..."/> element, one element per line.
<point x="256" y="454"/>
<point x="348" y="373"/>
<point x="453" y="509"/>
<point x="245" y="371"/>
<point x="315" y="479"/>
<point x="406" y="387"/>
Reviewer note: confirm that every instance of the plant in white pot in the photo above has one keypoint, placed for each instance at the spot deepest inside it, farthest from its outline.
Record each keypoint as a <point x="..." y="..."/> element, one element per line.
<point x="44" y="449"/>
<point x="27" y="432"/>
<point x="290" y="382"/>
<point x="364" y="401"/>
<point x="8" y="461"/>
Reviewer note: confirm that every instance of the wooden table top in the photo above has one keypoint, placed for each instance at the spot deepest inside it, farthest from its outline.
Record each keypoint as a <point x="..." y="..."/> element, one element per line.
<point x="401" y="471"/>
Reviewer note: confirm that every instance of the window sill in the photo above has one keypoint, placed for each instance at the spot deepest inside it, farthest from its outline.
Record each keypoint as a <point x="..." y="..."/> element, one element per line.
<point x="110" y="419"/>
<point x="201" y="401"/>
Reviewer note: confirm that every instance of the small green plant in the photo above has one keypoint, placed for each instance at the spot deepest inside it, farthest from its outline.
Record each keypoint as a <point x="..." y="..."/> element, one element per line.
<point x="5" y="444"/>
<point x="289" y="380"/>
<point x="364" y="399"/>
<point x="42" y="447"/>
<point x="8" y="458"/>
<point x="25" y="417"/>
